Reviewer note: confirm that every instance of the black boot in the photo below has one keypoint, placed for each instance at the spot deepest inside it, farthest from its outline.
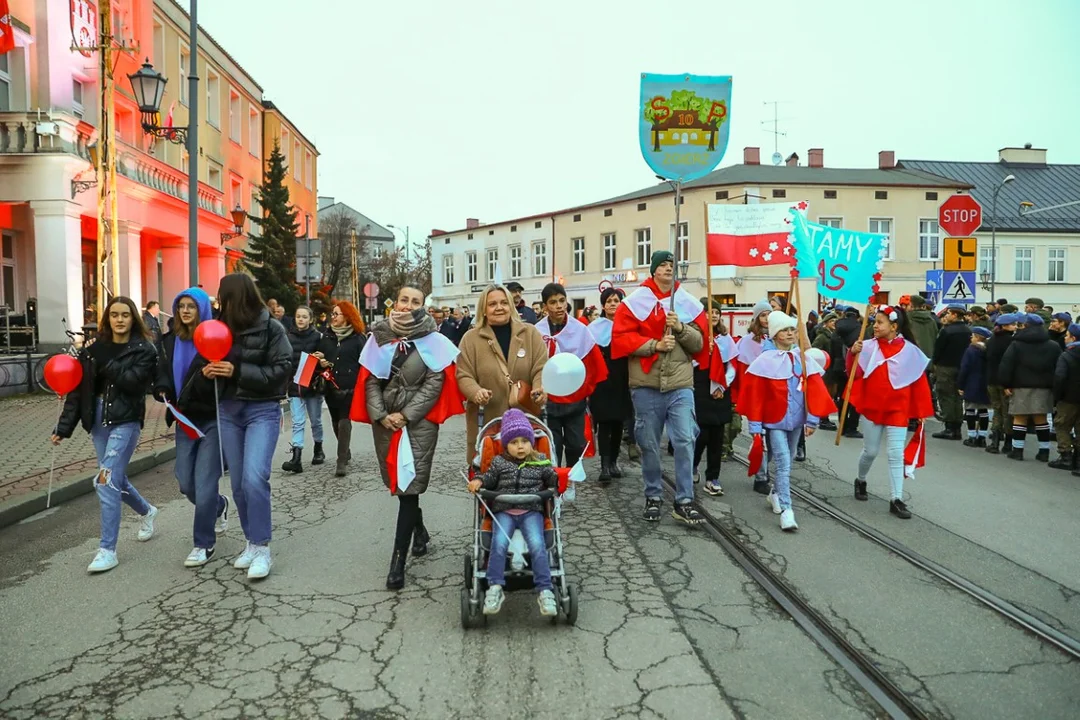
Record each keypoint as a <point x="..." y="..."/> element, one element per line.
<point x="860" y="490"/>
<point x="605" y="471"/>
<point x="980" y="442"/>
<point x="1007" y="446"/>
<point x="420" y="539"/>
<point x="616" y="471"/>
<point x="1064" y="461"/>
<point x="950" y="432"/>
<point x="395" y="579"/>
<point x="293" y="464"/>
<point x="800" y="451"/>
<point x="1043" y="455"/>
<point x="761" y="487"/>
<point x="993" y="442"/>
<point x="1016" y="454"/>
<point x="319" y="457"/>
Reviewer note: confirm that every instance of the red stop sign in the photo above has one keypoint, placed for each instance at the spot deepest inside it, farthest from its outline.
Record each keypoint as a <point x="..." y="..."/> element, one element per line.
<point x="960" y="215"/>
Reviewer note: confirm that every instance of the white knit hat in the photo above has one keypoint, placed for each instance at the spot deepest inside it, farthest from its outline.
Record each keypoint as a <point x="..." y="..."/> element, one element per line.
<point x="760" y="307"/>
<point x="779" y="321"/>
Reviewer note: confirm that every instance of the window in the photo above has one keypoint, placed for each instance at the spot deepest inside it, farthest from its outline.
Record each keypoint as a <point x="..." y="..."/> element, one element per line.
<point x="234" y="116"/>
<point x="579" y="254"/>
<point x="491" y="232"/>
<point x="607" y="212"/>
<point x="448" y="269"/>
<point x="492" y="262"/>
<point x="5" y="82"/>
<point x="778" y="193"/>
<point x="470" y="266"/>
<point x="724" y="300"/>
<point x="721" y="194"/>
<point x="235" y="196"/>
<point x="931" y="196"/>
<point x="515" y="261"/>
<point x="985" y="266"/>
<point x="929" y="240"/>
<point x="185" y="65"/>
<point x="640" y="207"/>
<point x="609" y="251"/>
<point x="1056" y="271"/>
<point x="76" y="97"/>
<point x="377" y="251"/>
<point x="296" y="168"/>
<point x="513" y="228"/>
<point x="470" y="236"/>
<point x="881" y="194"/>
<point x="830" y="194"/>
<point x="682" y="242"/>
<point x="577" y="218"/>
<point x="539" y="259"/>
<point x="538" y="224"/>
<point x="643" y="241"/>
<point x="1024" y="257"/>
<point x="308" y="174"/>
<point x="213" y="175"/>
<point x="286" y="146"/>
<point x="833" y="222"/>
<point x="7" y="272"/>
<point x="184" y="162"/>
<point x="883" y="226"/>
<point x="254" y="132"/>
<point x="159" y="46"/>
<point x="213" y="99"/>
<point x="255" y="211"/>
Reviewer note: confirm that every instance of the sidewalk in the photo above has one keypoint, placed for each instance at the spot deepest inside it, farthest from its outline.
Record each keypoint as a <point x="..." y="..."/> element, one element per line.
<point x="27" y="421"/>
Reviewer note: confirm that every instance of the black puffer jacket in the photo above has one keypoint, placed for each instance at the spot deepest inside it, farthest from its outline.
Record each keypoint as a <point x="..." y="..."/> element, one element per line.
<point x="951" y="344"/>
<point x="262" y="357"/>
<point x="1030" y="361"/>
<point x="996" y="346"/>
<point x="127" y="377"/>
<point x="344" y="355"/>
<point x="302" y="341"/>
<point x="195" y="399"/>
<point x="1067" y="376"/>
<point x="709" y="410"/>
<point x="505" y="475"/>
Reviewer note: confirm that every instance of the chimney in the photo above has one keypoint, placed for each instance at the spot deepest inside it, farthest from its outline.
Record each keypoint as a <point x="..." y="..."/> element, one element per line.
<point x="886" y="160"/>
<point x="471" y="223"/>
<point x="435" y="232"/>
<point x="751" y="156"/>
<point x="793" y="160"/>
<point x="817" y="157"/>
<point x="1026" y="155"/>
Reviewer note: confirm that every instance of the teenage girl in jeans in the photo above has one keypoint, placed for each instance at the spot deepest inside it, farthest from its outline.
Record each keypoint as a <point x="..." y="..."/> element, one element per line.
<point x="253" y="379"/>
<point x="110" y="403"/>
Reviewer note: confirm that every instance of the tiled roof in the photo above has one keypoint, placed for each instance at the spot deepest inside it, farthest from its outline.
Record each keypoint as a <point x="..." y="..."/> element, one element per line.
<point x="1042" y="184"/>
<point x="375" y="231"/>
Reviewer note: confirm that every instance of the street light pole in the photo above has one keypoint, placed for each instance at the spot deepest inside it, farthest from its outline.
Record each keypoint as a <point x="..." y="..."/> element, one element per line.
<point x="307" y="272"/>
<point x="993" y="235"/>
<point x="193" y="147"/>
<point x="406" y="233"/>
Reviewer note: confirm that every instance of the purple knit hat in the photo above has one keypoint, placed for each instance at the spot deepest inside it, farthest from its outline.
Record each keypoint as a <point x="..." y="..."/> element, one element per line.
<point x="515" y="425"/>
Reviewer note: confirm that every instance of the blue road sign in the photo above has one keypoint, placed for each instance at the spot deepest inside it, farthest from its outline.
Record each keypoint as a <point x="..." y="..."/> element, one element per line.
<point x="959" y="287"/>
<point x="933" y="280"/>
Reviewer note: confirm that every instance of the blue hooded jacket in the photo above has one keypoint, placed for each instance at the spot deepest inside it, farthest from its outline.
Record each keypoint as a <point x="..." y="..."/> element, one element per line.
<point x="184" y="351"/>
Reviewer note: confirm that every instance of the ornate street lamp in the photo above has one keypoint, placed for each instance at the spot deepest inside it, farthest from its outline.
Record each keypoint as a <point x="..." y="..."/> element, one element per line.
<point x="77" y="185"/>
<point x="985" y="278"/>
<point x="148" y="85"/>
<point x="239" y="216"/>
<point x="684" y="269"/>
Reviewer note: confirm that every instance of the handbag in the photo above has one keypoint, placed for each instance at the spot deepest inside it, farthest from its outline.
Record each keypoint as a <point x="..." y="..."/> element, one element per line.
<point x="520" y="391"/>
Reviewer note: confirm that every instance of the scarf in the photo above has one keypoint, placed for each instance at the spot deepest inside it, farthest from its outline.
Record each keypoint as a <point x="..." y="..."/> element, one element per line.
<point x="404" y="325"/>
<point x="342" y="332"/>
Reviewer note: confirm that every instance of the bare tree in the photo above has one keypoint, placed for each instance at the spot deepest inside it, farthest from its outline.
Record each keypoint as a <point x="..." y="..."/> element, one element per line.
<point x="335" y="231"/>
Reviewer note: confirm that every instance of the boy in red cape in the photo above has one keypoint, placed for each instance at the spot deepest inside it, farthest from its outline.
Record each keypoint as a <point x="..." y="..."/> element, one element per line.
<point x="777" y="397"/>
<point x="566" y="414"/>
<point x="661" y="343"/>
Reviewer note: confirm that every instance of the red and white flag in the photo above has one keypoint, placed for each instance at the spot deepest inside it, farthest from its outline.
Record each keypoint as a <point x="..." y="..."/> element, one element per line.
<point x="915" y="452"/>
<point x="7" y="30"/>
<point x="190" y="428"/>
<point x="751" y="235"/>
<point x="305" y="369"/>
<point x="399" y="462"/>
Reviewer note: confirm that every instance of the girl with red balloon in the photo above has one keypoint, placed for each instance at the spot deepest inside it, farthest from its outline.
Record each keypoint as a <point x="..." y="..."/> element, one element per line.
<point x="106" y="394"/>
<point x="250" y="359"/>
<point x="190" y="396"/>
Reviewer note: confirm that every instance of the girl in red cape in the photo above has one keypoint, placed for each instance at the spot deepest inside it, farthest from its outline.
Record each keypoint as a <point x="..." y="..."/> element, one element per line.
<point x="890" y="388"/>
<point x="747" y="350"/>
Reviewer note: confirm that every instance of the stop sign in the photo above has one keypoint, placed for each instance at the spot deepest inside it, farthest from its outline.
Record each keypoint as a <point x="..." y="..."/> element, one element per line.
<point x="960" y="216"/>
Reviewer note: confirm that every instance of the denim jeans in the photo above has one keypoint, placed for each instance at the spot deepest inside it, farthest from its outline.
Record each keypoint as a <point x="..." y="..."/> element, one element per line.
<point x="198" y="470"/>
<point x="652" y="409"/>
<point x="532" y="527"/>
<point x="782" y="446"/>
<point x="302" y="408"/>
<point x="894" y="450"/>
<point x="568" y="432"/>
<point x="249" y="432"/>
<point x="114" y="445"/>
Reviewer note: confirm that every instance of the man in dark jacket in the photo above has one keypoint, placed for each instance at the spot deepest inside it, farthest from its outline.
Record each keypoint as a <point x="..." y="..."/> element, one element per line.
<point x="1027" y="373"/>
<point x="847" y="332"/>
<point x="949" y="348"/>
<point x="1067" y="398"/>
<point x="527" y="313"/>
<point x="1000" y="429"/>
<point x="152" y="321"/>
<point x="1037" y="306"/>
<point x="1059" y="326"/>
<point x="826" y="339"/>
<point x="923" y="325"/>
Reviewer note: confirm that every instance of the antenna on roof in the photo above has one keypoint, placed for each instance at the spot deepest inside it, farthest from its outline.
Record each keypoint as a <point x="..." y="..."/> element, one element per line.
<point x="777" y="158"/>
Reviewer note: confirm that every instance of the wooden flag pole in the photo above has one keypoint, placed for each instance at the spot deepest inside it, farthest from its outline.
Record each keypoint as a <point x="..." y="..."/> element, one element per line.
<point x="800" y="329"/>
<point x="851" y="377"/>
<point x="708" y="278"/>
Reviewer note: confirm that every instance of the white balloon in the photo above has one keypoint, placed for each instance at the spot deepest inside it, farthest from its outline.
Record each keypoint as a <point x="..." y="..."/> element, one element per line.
<point x="819" y="356"/>
<point x="563" y="374"/>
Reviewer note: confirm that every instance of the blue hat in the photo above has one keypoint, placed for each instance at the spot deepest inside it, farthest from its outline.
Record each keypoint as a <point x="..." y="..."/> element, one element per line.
<point x="1064" y="316"/>
<point x="980" y="331"/>
<point x="1007" y="319"/>
<point x="1074" y="330"/>
<point x="1032" y="319"/>
<point x="514" y="425"/>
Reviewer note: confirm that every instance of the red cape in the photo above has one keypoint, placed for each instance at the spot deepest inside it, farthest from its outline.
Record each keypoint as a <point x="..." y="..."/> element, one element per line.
<point x="451" y="402"/>
<point x="882" y="404"/>
<point x="764" y="400"/>
<point x="630" y="333"/>
<point x="596" y="371"/>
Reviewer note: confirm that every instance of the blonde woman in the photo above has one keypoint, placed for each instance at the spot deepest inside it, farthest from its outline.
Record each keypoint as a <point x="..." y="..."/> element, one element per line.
<point x="500" y="362"/>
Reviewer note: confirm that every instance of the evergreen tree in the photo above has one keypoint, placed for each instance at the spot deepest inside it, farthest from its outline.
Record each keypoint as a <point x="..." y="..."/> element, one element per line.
<point x="272" y="254"/>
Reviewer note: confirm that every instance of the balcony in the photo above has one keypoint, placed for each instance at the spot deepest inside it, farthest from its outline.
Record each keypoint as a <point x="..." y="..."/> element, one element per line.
<point x="43" y="132"/>
<point x="145" y="169"/>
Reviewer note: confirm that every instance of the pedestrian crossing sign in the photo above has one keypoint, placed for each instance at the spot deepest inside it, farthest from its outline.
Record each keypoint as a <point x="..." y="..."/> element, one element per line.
<point x="959" y="288"/>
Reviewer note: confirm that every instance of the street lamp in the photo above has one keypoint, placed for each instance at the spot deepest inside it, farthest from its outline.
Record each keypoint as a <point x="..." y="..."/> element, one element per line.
<point x="239" y="216"/>
<point x="406" y="233"/>
<point x="985" y="277"/>
<point x="148" y="85"/>
<point x="77" y="185"/>
<point x="993" y="232"/>
<point x="684" y="269"/>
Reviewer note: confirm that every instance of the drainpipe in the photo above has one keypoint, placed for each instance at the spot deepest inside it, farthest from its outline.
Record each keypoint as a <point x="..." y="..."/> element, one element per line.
<point x="552" y="248"/>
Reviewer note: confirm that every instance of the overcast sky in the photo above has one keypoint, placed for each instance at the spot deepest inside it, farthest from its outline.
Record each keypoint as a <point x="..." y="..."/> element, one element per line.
<point x="426" y="112"/>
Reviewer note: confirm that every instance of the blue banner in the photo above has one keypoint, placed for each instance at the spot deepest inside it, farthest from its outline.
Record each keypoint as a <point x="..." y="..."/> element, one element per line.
<point x="846" y="264"/>
<point x="683" y="123"/>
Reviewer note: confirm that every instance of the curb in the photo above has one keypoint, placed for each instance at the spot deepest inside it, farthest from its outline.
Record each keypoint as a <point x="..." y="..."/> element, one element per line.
<point x="21" y="508"/>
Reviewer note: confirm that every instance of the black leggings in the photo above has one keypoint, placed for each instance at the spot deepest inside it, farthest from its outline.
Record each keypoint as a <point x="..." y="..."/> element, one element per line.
<point x="409" y="517"/>
<point x="609" y="438"/>
<point x="711" y="439"/>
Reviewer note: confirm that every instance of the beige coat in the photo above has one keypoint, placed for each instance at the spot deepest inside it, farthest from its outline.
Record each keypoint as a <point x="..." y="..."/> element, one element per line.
<point x="672" y="370"/>
<point x="478" y="367"/>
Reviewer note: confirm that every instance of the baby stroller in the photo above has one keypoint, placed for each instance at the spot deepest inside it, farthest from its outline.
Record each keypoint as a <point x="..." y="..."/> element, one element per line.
<point x="518" y="573"/>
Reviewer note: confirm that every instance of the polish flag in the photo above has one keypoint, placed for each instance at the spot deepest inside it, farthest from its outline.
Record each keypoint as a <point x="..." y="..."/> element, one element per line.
<point x="915" y="452"/>
<point x="190" y="429"/>
<point x="305" y="369"/>
<point x="7" y="31"/>
<point x="399" y="462"/>
<point x="590" y="446"/>
<point x="751" y="235"/>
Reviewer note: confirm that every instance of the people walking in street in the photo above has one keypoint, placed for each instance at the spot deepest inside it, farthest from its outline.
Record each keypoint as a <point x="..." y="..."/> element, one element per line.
<point x="500" y="363"/>
<point x="1067" y="397"/>
<point x="110" y="404"/>
<point x="890" y="389"/>
<point x="152" y="320"/>
<point x="776" y="401"/>
<point x="848" y="330"/>
<point x="566" y="415"/>
<point x="181" y="382"/>
<point x="340" y="351"/>
<point x="1027" y="374"/>
<point x="972" y="386"/>
<point x="827" y="340"/>
<point x="254" y="379"/>
<point x="305" y="403"/>
<point x="1001" y="421"/>
<point x="661" y="342"/>
<point x="406" y="395"/>
<point x="949" y="348"/>
<point x="712" y="403"/>
<point x="747" y="351"/>
<point x="610" y="403"/>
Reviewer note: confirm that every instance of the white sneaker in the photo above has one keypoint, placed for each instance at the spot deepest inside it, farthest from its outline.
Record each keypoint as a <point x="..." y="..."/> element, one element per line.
<point x="493" y="600"/>
<point x="146" y="530"/>
<point x="222" y="523"/>
<point x="198" y="557"/>
<point x="546" y="601"/>
<point x="104" y="560"/>
<point x="774" y="502"/>
<point x="787" y="520"/>
<point x="243" y="562"/>
<point x="260" y="563"/>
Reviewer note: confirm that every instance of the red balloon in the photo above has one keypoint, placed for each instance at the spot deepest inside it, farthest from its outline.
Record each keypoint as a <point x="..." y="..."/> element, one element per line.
<point x="213" y="340"/>
<point x="63" y="373"/>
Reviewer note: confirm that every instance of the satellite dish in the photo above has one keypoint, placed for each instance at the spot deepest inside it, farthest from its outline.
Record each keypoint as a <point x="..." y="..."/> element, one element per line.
<point x="777" y="158"/>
